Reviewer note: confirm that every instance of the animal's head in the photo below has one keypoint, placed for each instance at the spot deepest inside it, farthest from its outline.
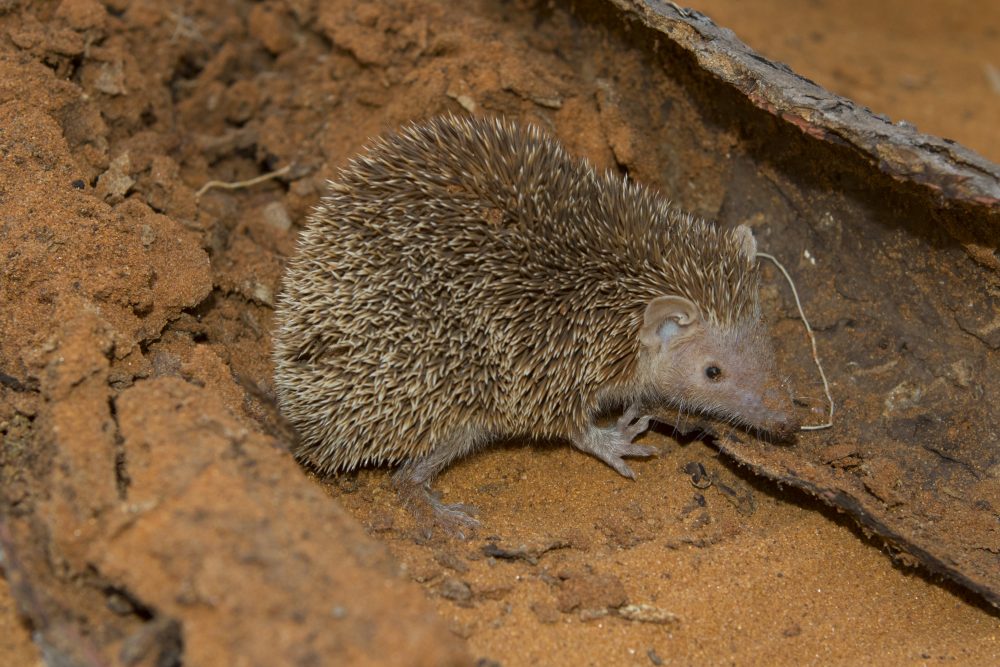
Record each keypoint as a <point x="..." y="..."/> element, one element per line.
<point x="726" y="370"/>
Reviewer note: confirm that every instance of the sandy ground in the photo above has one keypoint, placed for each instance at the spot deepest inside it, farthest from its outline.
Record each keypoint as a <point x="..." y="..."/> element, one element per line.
<point x="933" y="64"/>
<point x="742" y="572"/>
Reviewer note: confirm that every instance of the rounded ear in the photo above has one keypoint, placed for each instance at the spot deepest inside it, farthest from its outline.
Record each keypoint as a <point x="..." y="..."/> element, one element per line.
<point x="665" y="317"/>
<point x="748" y="244"/>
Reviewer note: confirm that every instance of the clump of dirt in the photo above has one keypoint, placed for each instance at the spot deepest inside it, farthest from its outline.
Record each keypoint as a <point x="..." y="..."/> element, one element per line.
<point x="149" y="510"/>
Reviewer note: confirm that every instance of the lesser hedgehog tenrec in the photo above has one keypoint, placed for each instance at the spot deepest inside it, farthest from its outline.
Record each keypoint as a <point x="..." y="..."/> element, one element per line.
<point x="466" y="280"/>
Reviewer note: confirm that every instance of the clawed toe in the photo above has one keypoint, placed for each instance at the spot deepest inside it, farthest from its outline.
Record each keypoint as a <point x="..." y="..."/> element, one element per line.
<point x="621" y="467"/>
<point x="426" y="507"/>
<point x="456" y="520"/>
<point x="639" y="451"/>
<point x="615" y="457"/>
<point x="629" y="430"/>
<point x="635" y="430"/>
<point x="627" y="417"/>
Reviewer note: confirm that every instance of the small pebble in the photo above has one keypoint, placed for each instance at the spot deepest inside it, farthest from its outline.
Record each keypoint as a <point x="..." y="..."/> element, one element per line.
<point x="147" y="236"/>
<point x="275" y="215"/>
<point x="263" y="294"/>
<point x="699" y="476"/>
<point x="456" y="590"/>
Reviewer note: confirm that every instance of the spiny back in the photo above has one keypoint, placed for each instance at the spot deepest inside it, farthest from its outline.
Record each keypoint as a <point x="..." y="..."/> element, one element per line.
<point x="470" y="273"/>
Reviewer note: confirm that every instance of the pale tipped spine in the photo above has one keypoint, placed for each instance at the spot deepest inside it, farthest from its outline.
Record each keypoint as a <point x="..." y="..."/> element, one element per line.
<point x="468" y="273"/>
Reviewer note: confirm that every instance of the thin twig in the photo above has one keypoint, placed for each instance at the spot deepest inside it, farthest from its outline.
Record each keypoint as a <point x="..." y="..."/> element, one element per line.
<point x="242" y="184"/>
<point x="812" y="339"/>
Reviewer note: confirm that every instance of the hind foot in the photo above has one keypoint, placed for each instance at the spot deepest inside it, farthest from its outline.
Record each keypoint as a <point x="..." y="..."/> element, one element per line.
<point x="413" y="480"/>
<point x="426" y="507"/>
<point x="612" y="443"/>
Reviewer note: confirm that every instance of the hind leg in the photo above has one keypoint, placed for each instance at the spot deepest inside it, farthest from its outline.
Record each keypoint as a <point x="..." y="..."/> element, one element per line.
<point x="413" y="483"/>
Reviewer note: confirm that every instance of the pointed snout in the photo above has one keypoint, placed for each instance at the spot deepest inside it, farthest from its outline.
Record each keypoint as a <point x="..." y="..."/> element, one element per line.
<point x="778" y="413"/>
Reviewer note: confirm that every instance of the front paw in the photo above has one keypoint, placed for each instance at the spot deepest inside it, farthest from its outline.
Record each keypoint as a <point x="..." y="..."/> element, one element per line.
<point x="614" y="443"/>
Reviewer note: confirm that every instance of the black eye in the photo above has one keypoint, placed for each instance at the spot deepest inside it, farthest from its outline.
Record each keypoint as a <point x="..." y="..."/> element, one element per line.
<point x="713" y="372"/>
